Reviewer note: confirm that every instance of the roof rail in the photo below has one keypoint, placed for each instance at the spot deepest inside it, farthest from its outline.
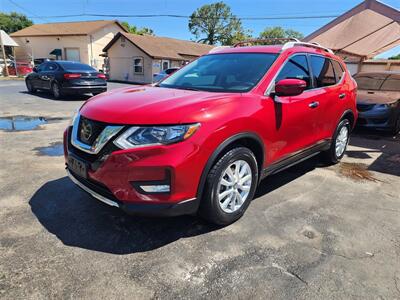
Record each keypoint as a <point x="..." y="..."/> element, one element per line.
<point x="217" y="48"/>
<point x="304" y="44"/>
<point x="267" y="40"/>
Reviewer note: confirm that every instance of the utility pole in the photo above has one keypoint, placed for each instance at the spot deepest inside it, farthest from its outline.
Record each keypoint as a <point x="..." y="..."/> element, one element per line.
<point x="4" y="55"/>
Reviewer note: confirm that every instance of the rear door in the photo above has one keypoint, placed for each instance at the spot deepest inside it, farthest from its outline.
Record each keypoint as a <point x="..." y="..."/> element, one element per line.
<point x="328" y="93"/>
<point x="296" y="119"/>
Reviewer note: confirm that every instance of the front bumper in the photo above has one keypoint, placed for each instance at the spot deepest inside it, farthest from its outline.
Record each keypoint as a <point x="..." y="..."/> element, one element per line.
<point x="185" y="207"/>
<point x="376" y="118"/>
<point x="114" y="176"/>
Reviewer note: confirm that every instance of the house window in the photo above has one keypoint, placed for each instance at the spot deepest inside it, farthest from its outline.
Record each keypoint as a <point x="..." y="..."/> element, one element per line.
<point x="138" y="65"/>
<point x="165" y="65"/>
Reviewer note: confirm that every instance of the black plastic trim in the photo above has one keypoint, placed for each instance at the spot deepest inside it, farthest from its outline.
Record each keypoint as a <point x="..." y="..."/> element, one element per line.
<point x="219" y="150"/>
<point x="296" y="158"/>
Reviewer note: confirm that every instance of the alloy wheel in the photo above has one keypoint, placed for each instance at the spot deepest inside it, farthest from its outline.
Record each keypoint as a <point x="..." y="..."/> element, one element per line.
<point x="56" y="90"/>
<point x="341" y="141"/>
<point x="234" y="186"/>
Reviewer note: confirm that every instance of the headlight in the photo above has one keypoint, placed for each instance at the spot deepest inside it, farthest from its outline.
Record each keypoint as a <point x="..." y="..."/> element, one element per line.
<point x="155" y="135"/>
<point x="72" y="121"/>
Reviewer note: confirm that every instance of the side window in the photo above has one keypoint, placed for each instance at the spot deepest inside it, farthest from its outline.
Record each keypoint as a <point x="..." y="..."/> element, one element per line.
<point x="338" y="70"/>
<point x="138" y="65"/>
<point x="296" y="68"/>
<point x="42" y="67"/>
<point x="323" y="71"/>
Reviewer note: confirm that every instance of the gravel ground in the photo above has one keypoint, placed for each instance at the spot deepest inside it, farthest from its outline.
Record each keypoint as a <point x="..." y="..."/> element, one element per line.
<point x="313" y="232"/>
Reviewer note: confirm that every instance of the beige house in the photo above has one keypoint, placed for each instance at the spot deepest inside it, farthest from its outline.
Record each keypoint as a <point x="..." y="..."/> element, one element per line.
<point x="76" y="41"/>
<point x="135" y="58"/>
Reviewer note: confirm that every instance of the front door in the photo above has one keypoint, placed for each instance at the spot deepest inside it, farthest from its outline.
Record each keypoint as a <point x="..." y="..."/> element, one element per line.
<point x="295" y="116"/>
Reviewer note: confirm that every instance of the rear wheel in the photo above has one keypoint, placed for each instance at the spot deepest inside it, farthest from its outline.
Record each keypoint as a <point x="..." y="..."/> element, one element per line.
<point x="339" y="143"/>
<point x="29" y="86"/>
<point x="55" y="89"/>
<point x="230" y="187"/>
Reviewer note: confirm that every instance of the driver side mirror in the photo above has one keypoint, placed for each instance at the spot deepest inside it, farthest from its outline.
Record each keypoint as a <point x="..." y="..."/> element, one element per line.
<point x="290" y="87"/>
<point x="35" y="69"/>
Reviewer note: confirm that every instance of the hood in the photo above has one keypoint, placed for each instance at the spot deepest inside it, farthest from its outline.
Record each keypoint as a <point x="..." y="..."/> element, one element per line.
<point x="377" y="97"/>
<point x="151" y="105"/>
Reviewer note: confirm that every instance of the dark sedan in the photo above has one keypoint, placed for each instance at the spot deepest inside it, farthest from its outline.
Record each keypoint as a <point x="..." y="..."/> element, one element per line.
<point x="66" y="77"/>
<point x="378" y="100"/>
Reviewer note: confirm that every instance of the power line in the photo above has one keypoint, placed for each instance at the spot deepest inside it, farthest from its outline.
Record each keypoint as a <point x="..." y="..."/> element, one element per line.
<point x="184" y="16"/>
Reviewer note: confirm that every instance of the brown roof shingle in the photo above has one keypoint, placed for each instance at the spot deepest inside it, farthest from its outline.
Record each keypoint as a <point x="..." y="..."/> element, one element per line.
<point x="65" y="28"/>
<point x="163" y="47"/>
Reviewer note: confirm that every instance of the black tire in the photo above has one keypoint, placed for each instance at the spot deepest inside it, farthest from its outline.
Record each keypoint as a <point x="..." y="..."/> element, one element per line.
<point x="30" y="87"/>
<point x="396" y="127"/>
<point x="56" y="91"/>
<point x="210" y="208"/>
<point x="330" y="155"/>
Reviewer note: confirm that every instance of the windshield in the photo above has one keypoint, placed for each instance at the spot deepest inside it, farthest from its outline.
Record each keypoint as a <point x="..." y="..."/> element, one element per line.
<point x="369" y="81"/>
<point x="228" y="72"/>
<point x="392" y="83"/>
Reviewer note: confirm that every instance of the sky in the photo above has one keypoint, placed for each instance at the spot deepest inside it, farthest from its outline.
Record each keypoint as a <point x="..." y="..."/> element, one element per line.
<point x="40" y="11"/>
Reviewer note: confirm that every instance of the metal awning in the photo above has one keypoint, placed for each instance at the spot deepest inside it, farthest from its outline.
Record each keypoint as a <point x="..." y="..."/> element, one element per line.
<point x="56" y="52"/>
<point x="365" y="31"/>
<point x="7" y="40"/>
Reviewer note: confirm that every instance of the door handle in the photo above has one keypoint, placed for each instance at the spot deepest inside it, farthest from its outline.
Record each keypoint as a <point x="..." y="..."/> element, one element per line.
<point x="342" y="96"/>
<point x="314" y="104"/>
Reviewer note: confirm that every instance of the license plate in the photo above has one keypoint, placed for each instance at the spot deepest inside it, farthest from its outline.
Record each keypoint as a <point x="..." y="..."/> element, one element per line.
<point x="77" y="166"/>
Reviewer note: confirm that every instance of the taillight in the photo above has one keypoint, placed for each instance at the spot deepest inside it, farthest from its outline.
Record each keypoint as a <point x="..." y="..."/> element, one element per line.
<point x="101" y="75"/>
<point x="71" y="76"/>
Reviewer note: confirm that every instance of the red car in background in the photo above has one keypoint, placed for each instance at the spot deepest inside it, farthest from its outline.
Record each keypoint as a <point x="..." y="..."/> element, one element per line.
<point x="23" y="68"/>
<point x="202" y="139"/>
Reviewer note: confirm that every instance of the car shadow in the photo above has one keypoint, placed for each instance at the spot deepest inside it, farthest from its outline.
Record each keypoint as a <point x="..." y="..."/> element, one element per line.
<point x="48" y="96"/>
<point x="79" y="220"/>
<point x="374" y="143"/>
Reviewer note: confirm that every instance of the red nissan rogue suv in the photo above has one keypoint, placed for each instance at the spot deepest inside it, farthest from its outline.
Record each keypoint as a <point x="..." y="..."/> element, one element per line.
<point x="202" y="139"/>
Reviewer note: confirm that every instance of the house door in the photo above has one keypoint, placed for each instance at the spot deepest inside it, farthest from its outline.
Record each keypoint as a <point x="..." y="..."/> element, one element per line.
<point x="72" y="54"/>
<point x="165" y="65"/>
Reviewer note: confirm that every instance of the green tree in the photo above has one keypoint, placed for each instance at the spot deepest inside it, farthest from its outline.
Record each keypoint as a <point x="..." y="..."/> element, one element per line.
<point x="136" y="30"/>
<point x="395" y="57"/>
<point x="279" y="32"/>
<point x="215" y="24"/>
<point x="13" y="22"/>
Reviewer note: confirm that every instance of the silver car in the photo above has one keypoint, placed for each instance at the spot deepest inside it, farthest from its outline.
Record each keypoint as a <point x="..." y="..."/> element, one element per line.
<point x="159" y="76"/>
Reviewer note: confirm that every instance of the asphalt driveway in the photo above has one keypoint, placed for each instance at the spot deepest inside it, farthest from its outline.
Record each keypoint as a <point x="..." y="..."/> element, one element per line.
<point x="313" y="232"/>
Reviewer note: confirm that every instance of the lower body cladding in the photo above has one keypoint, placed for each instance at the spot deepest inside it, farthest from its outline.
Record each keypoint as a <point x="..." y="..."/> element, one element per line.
<point x="151" y="181"/>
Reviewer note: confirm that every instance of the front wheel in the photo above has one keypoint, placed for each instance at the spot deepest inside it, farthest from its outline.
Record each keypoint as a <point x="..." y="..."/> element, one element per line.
<point x="396" y="127"/>
<point x="230" y="186"/>
<point x="339" y="143"/>
<point x="29" y="86"/>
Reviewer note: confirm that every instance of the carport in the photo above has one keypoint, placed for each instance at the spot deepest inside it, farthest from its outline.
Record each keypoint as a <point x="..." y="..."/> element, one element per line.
<point x="6" y="40"/>
<point x="361" y="33"/>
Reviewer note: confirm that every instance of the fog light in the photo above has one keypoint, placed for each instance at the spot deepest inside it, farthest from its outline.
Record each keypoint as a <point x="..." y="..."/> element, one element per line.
<point x="156" y="188"/>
